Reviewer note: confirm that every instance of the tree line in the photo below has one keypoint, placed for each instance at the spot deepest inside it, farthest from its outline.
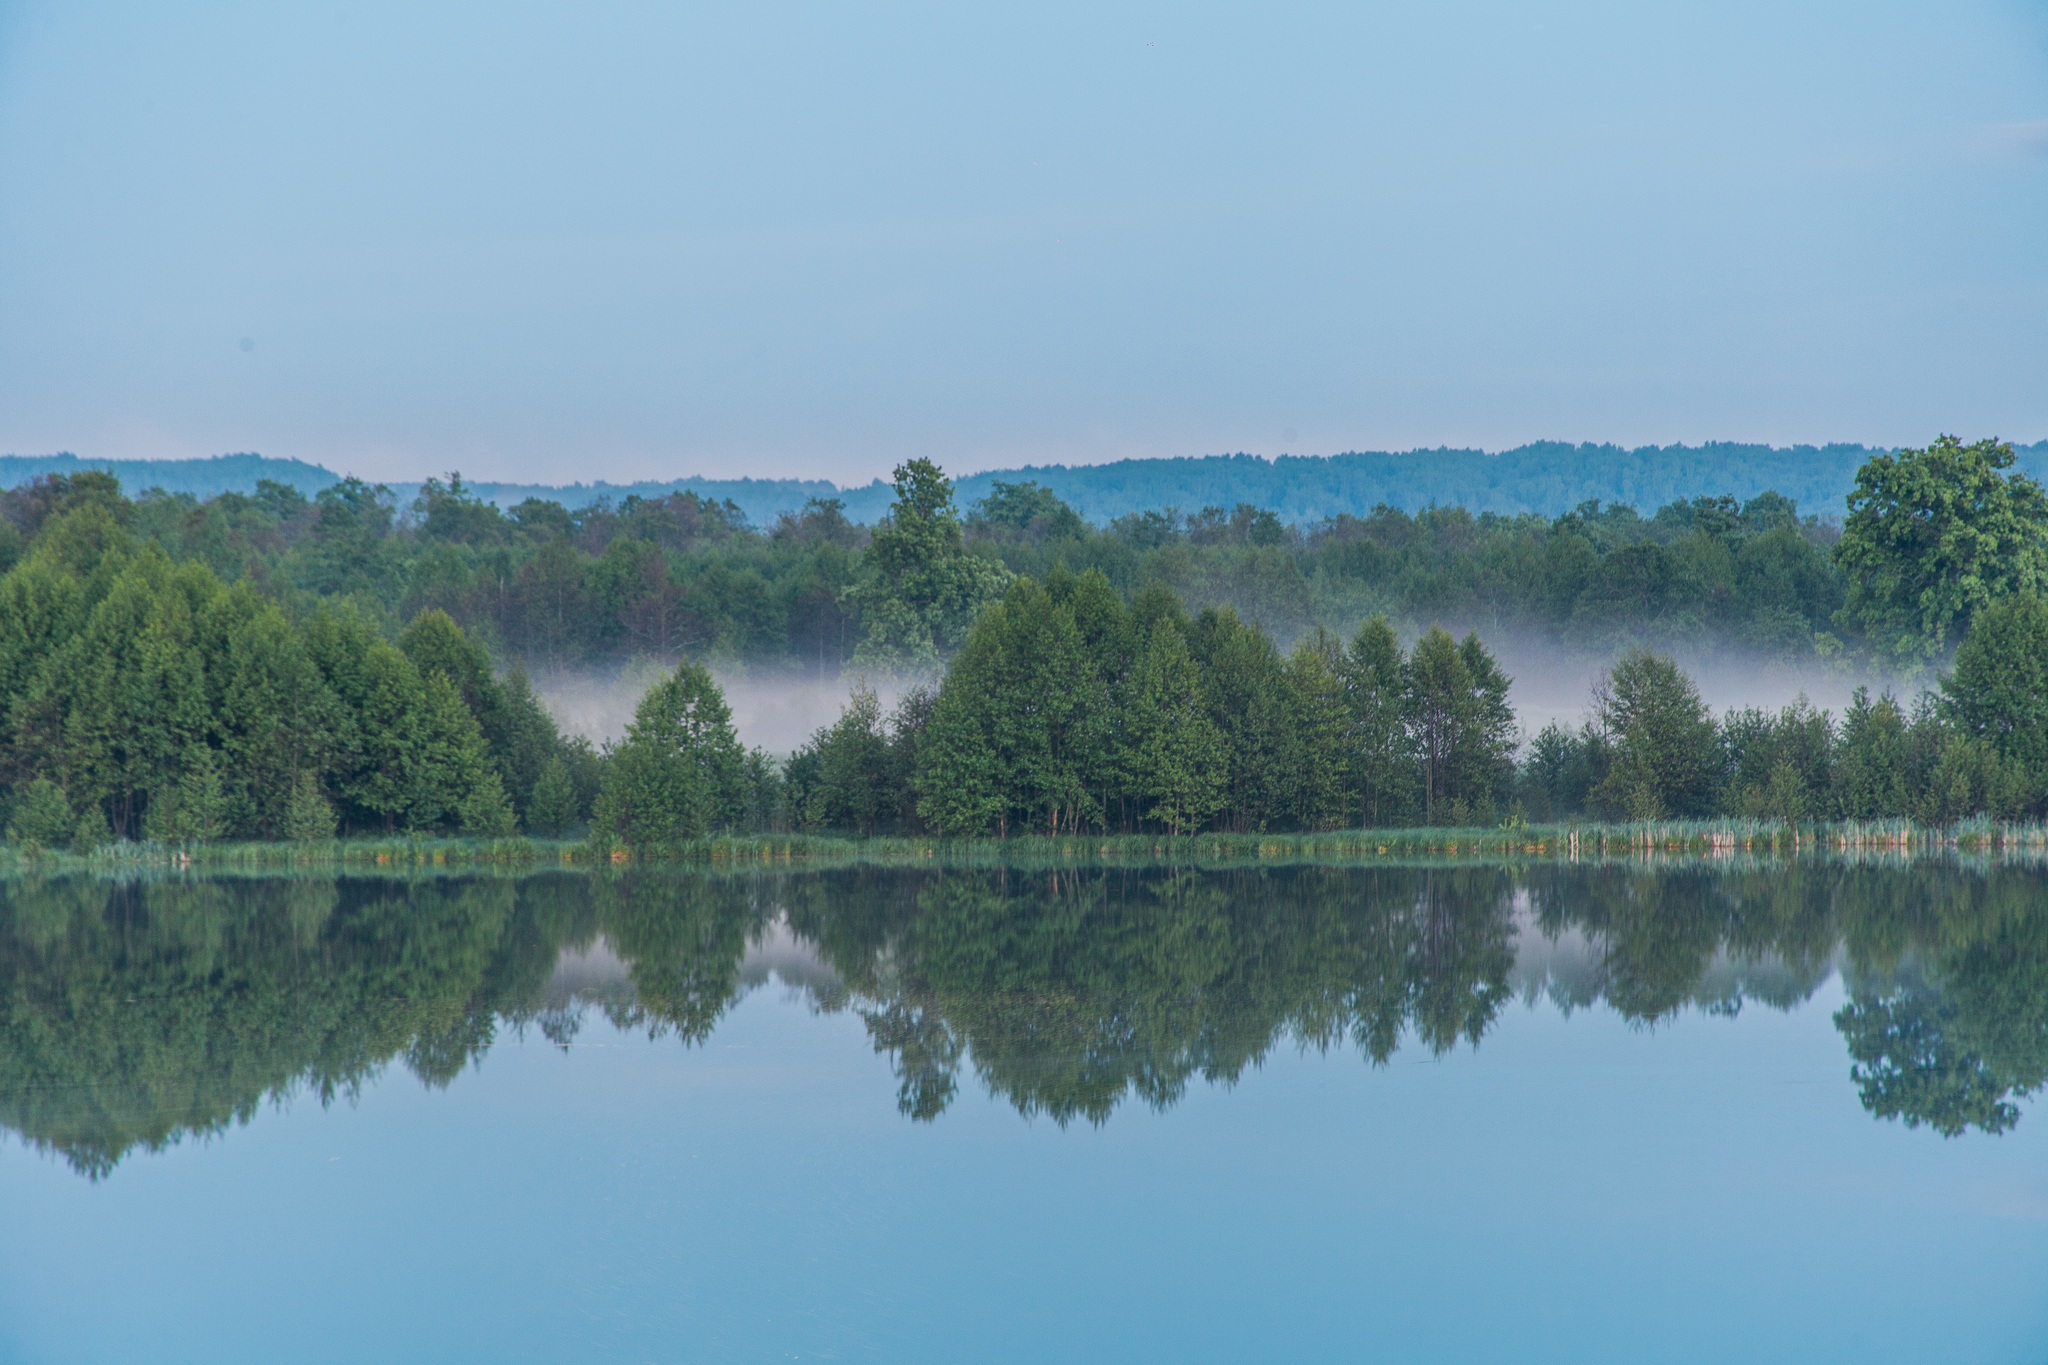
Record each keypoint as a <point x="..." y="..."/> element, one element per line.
<point x="145" y="698"/>
<point x="1926" y="538"/>
<point x="145" y="694"/>
<point x="1068" y="713"/>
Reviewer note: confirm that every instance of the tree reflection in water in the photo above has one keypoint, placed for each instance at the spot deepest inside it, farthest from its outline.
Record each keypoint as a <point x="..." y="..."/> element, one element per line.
<point x="134" y="1013"/>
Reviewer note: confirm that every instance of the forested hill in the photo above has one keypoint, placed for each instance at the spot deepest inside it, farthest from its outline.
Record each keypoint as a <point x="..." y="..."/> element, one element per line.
<point x="201" y="478"/>
<point x="1547" y="477"/>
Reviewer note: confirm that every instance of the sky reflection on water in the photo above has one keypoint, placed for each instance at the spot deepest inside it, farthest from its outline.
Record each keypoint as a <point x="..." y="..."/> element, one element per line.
<point x="1553" y="1113"/>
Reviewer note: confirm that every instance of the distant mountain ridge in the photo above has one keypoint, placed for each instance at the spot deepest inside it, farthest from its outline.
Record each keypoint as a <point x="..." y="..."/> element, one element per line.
<point x="1547" y="477"/>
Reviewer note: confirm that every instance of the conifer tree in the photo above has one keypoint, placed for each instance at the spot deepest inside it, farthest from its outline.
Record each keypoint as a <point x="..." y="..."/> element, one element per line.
<point x="1870" y="776"/>
<point x="553" y="806"/>
<point x="308" y="816"/>
<point x="42" y="816"/>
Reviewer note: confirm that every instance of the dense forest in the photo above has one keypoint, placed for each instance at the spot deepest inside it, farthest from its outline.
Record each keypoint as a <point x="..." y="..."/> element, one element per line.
<point x="143" y="1011"/>
<point x="555" y="588"/>
<point x="271" y="667"/>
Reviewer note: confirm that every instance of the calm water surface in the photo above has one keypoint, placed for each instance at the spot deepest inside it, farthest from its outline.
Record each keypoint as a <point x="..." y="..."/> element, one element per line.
<point x="1770" y="1113"/>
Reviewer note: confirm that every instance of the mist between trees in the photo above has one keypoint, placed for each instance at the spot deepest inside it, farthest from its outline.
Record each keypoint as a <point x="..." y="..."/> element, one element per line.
<point x="182" y="671"/>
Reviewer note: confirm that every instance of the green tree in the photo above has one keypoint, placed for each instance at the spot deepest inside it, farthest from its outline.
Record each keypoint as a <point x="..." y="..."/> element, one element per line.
<point x="1486" y="743"/>
<point x="194" y="809"/>
<point x="960" y="786"/>
<point x="1779" y="766"/>
<point x="920" y="589"/>
<point x="1666" y="750"/>
<point x="1870" y="772"/>
<point x="680" y="772"/>
<point x="1461" y="726"/>
<point x="518" y="733"/>
<point x="1245" y="683"/>
<point x="308" y="815"/>
<point x="1375" y="691"/>
<point x="274" y="715"/>
<point x="1998" y="692"/>
<point x="846" y="783"/>
<point x="1318" y="734"/>
<point x="1934" y="536"/>
<point x="42" y="816"/>
<point x="1021" y="727"/>
<point x="1180" y="762"/>
<point x="553" y="806"/>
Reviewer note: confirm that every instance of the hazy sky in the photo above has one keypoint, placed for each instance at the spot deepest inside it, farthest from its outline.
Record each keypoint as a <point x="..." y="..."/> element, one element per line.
<point x="610" y="240"/>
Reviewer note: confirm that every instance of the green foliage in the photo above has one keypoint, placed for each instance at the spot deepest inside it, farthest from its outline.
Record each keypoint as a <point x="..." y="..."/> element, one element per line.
<point x="841" y="780"/>
<point x="1021" y="730"/>
<point x="554" y="806"/>
<point x="192" y="811"/>
<point x="180" y="705"/>
<point x="1375" y="694"/>
<point x="1933" y="537"/>
<point x="920" y="591"/>
<point x="42" y="816"/>
<point x="1999" y="690"/>
<point x="679" y="773"/>
<point x="91" y="831"/>
<point x="683" y="575"/>
<point x="1461" y="727"/>
<point x="184" y="709"/>
<point x="308" y="815"/>
<point x="1180" y="761"/>
<point x="1871" y="768"/>
<point x="1950" y="1042"/>
<point x="1316" y="766"/>
<point x="1667" y="759"/>
<point x="1779" y="767"/>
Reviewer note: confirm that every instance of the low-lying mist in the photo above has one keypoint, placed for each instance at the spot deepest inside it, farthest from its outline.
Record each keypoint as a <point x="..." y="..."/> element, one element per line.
<point x="1553" y="685"/>
<point x="778" y="712"/>
<point x="774" y="712"/>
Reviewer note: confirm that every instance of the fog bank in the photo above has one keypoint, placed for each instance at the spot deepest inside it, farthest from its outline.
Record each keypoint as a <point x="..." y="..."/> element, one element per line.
<point x="779" y="712"/>
<point x="775" y="712"/>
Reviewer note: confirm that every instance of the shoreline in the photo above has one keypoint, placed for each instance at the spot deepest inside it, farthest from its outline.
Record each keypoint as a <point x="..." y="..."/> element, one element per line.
<point x="1709" y="841"/>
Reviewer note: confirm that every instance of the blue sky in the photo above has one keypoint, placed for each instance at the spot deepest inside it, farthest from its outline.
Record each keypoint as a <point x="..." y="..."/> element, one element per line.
<point x="611" y="240"/>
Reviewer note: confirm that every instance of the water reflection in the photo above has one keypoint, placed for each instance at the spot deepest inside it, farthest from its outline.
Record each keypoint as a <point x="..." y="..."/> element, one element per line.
<point x="136" y="1013"/>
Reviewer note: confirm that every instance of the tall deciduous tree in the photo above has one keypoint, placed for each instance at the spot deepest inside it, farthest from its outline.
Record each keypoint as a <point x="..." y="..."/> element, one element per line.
<point x="1375" y="689"/>
<point x="1180" y="762"/>
<point x="921" y="589"/>
<point x="1461" y="726"/>
<point x="1318" y="732"/>
<point x="1245" y="685"/>
<point x="1667" y="758"/>
<point x="1932" y="537"/>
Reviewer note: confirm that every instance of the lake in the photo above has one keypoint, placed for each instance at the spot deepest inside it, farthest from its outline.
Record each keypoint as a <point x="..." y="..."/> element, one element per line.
<point x="1682" y="1111"/>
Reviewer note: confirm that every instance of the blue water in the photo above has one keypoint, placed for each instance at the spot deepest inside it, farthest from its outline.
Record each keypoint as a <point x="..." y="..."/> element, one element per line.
<point x="1578" y="1186"/>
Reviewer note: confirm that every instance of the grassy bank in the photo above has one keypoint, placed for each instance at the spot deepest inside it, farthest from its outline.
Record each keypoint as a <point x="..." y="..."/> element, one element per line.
<point x="1661" y="839"/>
